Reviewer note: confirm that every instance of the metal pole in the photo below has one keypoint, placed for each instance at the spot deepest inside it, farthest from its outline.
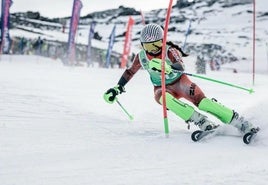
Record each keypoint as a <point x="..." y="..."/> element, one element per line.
<point x="254" y="39"/>
<point x="267" y="53"/>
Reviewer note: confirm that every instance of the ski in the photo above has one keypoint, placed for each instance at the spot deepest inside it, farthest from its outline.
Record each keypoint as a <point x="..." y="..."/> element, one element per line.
<point x="200" y="134"/>
<point x="247" y="138"/>
<point x="250" y="136"/>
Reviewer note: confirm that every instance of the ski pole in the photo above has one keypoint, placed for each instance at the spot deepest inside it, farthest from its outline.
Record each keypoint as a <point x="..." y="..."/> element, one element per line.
<point x="217" y="81"/>
<point x="122" y="107"/>
<point x="222" y="82"/>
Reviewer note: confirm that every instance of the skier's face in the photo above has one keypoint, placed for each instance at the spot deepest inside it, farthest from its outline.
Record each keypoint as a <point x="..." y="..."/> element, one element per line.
<point x="153" y="47"/>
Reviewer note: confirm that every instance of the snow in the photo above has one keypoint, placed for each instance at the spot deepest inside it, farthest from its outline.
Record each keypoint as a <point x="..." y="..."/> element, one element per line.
<point x="55" y="128"/>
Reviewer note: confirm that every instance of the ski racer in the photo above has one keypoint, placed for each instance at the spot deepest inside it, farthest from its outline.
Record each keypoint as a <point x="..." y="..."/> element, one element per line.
<point x="178" y="85"/>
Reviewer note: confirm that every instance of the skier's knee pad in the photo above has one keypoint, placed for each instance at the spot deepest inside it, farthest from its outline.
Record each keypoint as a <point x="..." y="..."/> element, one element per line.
<point x="181" y="109"/>
<point x="213" y="107"/>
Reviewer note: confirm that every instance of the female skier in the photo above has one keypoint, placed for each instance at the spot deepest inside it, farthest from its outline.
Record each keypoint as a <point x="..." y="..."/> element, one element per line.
<point x="178" y="85"/>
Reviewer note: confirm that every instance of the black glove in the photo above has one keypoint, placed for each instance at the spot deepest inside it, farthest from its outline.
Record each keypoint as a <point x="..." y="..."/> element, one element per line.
<point x="110" y="95"/>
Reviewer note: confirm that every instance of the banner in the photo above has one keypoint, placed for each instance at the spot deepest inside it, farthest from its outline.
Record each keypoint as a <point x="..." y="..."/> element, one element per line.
<point x="90" y="36"/>
<point x="186" y="34"/>
<point x="127" y="44"/>
<point x="77" y="5"/>
<point x="110" y="48"/>
<point x="5" y="38"/>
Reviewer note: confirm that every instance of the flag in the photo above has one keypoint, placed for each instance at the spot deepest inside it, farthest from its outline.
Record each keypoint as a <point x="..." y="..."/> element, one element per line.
<point x="5" y="38"/>
<point x="186" y="34"/>
<point x="77" y="5"/>
<point x="110" y="48"/>
<point x="127" y="44"/>
<point x="90" y="36"/>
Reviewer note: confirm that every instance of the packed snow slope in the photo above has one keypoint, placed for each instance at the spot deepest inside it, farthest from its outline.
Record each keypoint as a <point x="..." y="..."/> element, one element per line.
<point x="55" y="129"/>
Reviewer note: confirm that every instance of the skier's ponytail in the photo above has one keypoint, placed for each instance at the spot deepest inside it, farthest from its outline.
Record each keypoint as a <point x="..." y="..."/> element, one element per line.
<point x="178" y="48"/>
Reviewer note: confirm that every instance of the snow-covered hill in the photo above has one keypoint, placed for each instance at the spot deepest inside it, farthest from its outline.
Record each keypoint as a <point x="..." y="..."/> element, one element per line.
<point x="55" y="129"/>
<point x="219" y="28"/>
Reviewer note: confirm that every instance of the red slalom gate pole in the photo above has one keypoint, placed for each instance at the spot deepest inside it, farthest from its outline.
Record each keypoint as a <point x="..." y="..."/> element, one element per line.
<point x="163" y="81"/>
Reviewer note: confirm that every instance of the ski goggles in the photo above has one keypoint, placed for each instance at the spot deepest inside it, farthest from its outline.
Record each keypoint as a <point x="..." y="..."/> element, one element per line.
<point x="152" y="47"/>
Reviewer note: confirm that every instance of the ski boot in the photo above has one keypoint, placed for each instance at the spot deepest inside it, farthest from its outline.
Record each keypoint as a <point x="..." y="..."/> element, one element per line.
<point x="205" y="125"/>
<point x="202" y="121"/>
<point x="245" y="127"/>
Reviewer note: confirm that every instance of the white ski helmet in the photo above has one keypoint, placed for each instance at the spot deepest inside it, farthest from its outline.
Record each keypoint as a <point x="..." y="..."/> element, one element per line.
<point x="151" y="32"/>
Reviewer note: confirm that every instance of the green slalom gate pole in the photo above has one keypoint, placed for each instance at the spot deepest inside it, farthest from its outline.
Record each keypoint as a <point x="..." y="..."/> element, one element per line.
<point x="220" y="82"/>
<point x="125" y="111"/>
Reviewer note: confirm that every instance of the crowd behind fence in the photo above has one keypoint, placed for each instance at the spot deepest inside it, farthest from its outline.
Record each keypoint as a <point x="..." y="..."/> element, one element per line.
<point x="58" y="50"/>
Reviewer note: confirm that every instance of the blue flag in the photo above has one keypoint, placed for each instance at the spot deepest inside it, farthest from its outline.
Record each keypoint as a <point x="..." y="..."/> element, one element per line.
<point x="110" y="47"/>
<point x="186" y="34"/>
<point x="5" y="38"/>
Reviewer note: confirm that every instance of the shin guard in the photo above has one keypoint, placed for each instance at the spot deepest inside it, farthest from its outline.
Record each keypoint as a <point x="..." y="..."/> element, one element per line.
<point x="213" y="107"/>
<point x="181" y="109"/>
